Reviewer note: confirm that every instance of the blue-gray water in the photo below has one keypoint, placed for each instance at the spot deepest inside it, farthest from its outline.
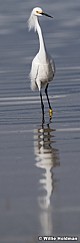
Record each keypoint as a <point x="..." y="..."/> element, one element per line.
<point x="39" y="167"/>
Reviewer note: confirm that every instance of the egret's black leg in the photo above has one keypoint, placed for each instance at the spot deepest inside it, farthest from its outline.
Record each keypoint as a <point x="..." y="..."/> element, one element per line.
<point x="46" y="92"/>
<point x="50" y="109"/>
<point x="42" y="107"/>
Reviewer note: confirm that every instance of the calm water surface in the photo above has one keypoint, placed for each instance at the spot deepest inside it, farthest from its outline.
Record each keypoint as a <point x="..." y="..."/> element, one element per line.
<point x="39" y="165"/>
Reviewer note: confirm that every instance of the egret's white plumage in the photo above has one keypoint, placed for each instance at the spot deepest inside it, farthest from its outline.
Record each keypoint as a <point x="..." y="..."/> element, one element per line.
<point x="43" y="68"/>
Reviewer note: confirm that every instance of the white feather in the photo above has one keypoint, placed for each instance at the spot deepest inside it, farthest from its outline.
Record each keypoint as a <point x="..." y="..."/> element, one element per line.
<point x="32" y="22"/>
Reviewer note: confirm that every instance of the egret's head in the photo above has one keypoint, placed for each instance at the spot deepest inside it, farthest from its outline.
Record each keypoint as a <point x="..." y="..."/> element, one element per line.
<point x="39" y="12"/>
<point x="36" y="12"/>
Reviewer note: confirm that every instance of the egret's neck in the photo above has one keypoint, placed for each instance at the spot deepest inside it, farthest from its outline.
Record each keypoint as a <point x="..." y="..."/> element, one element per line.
<point x="41" y="39"/>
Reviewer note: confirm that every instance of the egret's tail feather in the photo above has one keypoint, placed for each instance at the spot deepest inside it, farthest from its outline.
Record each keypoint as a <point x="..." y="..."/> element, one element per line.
<point x="33" y="86"/>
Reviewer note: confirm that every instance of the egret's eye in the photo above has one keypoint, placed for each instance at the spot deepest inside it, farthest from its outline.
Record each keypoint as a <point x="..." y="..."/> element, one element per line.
<point x="38" y="12"/>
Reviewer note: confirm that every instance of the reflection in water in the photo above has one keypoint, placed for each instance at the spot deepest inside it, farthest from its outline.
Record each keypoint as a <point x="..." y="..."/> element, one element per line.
<point x="47" y="157"/>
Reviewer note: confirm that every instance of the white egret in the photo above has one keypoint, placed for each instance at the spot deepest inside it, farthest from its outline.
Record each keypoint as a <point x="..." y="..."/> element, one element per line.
<point x="43" y="67"/>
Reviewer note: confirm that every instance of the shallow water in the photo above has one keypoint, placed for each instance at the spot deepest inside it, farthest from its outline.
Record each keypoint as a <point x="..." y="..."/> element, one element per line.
<point x="39" y="165"/>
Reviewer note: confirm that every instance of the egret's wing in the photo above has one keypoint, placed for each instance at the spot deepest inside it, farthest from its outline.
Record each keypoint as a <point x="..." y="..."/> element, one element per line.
<point x="34" y="75"/>
<point x="52" y="65"/>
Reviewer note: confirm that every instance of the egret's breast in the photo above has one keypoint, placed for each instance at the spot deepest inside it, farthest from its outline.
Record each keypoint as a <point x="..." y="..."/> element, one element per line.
<point x="45" y="73"/>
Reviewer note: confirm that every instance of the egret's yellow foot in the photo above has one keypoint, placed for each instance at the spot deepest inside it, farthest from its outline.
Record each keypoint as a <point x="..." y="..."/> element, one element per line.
<point x="50" y="113"/>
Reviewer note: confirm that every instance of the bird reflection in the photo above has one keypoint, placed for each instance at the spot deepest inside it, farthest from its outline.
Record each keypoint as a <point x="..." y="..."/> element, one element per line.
<point x="47" y="157"/>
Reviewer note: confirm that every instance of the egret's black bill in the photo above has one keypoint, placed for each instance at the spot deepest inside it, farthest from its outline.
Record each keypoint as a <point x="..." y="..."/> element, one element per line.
<point x="46" y="15"/>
